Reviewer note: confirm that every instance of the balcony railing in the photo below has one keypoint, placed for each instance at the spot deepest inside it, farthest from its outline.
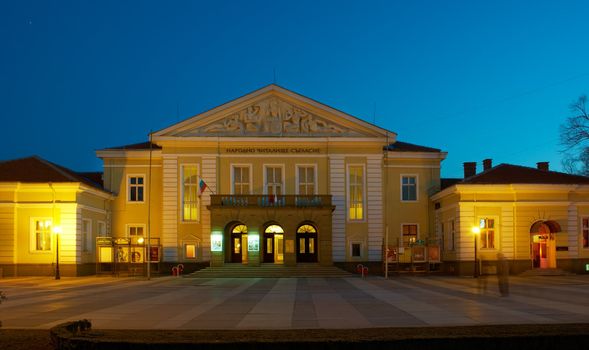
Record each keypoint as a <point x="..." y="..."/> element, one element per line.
<point x="270" y="201"/>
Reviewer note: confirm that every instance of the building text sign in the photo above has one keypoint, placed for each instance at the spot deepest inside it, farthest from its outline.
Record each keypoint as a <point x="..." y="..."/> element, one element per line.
<point x="273" y="150"/>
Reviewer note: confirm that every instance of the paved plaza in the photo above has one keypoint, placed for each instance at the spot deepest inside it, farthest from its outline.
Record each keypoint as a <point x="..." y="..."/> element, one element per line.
<point x="291" y="303"/>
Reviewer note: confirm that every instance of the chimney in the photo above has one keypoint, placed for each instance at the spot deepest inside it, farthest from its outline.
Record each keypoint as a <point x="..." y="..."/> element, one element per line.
<point x="543" y="166"/>
<point x="470" y="169"/>
<point x="487" y="164"/>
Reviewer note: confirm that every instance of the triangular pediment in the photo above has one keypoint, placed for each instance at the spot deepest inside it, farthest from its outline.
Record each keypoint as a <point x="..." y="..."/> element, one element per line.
<point x="273" y="111"/>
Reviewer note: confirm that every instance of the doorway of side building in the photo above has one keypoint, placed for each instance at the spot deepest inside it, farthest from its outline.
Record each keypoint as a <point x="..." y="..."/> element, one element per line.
<point x="543" y="244"/>
<point x="306" y="243"/>
<point x="273" y="244"/>
<point x="239" y="244"/>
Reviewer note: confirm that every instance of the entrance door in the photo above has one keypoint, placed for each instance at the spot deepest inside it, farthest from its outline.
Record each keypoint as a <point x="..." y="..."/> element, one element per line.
<point x="543" y="244"/>
<point x="273" y="244"/>
<point x="239" y="244"/>
<point x="236" y="239"/>
<point x="306" y="244"/>
<point x="268" y="247"/>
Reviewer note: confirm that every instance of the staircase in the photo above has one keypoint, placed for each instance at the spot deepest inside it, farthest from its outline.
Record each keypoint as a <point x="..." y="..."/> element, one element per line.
<point x="269" y="271"/>
<point x="545" y="272"/>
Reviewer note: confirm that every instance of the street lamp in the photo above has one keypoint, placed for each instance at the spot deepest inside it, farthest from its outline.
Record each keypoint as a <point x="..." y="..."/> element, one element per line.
<point x="57" y="231"/>
<point x="475" y="231"/>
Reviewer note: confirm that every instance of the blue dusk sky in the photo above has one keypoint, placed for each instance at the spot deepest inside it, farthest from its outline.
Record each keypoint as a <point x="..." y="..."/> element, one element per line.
<point x="478" y="79"/>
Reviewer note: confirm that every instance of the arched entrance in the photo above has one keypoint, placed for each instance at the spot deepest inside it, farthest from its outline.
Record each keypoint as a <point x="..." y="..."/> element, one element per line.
<point x="238" y="243"/>
<point x="306" y="243"/>
<point x="273" y="244"/>
<point x="543" y="244"/>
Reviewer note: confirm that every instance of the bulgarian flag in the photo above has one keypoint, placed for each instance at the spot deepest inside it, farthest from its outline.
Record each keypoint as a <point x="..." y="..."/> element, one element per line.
<point x="202" y="186"/>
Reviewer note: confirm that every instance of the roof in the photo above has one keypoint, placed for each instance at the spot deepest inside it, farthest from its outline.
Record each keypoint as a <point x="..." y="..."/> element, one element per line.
<point x="135" y="146"/>
<point x="447" y="182"/>
<point x="38" y="170"/>
<point x="409" y="147"/>
<point x="517" y="174"/>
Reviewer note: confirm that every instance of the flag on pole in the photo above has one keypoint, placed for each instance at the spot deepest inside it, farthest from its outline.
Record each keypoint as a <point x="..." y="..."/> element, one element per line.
<point x="202" y="186"/>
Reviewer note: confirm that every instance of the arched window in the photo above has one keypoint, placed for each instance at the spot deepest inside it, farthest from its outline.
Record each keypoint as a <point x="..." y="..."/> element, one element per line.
<point x="306" y="229"/>
<point x="274" y="229"/>
<point x="239" y="229"/>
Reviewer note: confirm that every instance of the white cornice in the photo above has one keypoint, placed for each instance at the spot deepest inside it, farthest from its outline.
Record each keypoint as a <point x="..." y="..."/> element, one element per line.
<point x="414" y="155"/>
<point x="135" y="154"/>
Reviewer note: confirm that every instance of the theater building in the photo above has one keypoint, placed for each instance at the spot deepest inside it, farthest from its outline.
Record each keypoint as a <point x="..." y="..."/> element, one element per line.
<point x="273" y="177"/>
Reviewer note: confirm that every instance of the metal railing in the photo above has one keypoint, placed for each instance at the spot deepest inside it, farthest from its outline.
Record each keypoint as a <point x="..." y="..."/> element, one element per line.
<point x="270" y="201"/>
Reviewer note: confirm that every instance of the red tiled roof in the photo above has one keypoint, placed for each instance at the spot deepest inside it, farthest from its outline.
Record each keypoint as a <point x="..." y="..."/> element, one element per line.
<point x="409" y="147"/>
<point x="135" y="146"/>
<point x="36" y="169"/>
<point x="517" y="174"/>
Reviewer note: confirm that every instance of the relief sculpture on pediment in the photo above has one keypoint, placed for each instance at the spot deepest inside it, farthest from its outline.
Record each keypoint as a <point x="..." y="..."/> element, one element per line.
<point x="273" y="116"/>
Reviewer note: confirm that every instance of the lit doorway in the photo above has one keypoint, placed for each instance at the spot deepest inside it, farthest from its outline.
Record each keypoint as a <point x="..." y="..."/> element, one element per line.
<point x="543" y="244"/>
<point x="306" y="243"/>
<point x="239" y="244"/>
<point x="273" y="244"/>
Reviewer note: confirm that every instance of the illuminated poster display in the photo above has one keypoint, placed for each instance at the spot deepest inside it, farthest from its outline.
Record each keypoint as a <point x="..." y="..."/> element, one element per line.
<point x="253" y="242"/>
<point x="216" y="242"/>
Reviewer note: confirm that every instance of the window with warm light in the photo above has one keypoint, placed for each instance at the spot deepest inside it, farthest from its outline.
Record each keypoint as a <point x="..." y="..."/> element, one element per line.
<point x="42" y="234"/>
<point x="488" y="232"/>
<point x="190" y="251"/>
<point x="356" y="192"/>
<point x="135" y="230"/>
<point x="409" y="234"/>
<point x="136" y="188"/>
<point x="190" y="192"/>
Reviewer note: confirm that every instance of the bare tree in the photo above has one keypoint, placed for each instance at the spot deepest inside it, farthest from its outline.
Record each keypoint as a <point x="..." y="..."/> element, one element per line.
<point x="574" y="136"/>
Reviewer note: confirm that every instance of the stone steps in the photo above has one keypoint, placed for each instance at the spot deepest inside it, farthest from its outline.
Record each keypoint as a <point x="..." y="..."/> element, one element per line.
<point x="545" y="272"/>
<point x="269" y="271"/>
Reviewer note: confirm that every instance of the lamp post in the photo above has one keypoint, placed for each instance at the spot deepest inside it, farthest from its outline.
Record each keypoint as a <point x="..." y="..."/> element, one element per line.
<point x="57" y="231"/>
<point x="475" y="231"/>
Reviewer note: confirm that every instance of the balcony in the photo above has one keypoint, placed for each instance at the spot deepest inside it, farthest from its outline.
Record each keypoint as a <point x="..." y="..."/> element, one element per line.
<point x="270" y="201"/>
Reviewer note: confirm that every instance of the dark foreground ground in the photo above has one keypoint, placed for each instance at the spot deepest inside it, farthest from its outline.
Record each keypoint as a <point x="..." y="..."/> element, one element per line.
<point x="571" y="336"/>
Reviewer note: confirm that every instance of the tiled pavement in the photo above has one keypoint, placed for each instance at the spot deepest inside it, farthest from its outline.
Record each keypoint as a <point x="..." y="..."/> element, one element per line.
<point x="285" y="303"/>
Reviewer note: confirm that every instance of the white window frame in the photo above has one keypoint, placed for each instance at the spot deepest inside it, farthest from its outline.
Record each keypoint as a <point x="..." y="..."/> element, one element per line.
<point x="181" y="177"/>
<point x="416" y="236"/>
<point x="416" y="176"/>
<point x="364" y="204"/>
<point x="496" y="239"/>
<point x="297" y="180"/>
<point x="582" y="229"/>
<point x="33" y="236"/>
<point x="128" y="231"/>
<point x="98" y="224"/>
<point x="240" y="165"/>
<point x="144" y="185"/>
<point x="283" y="175"/>
<point x="87" y="236"/>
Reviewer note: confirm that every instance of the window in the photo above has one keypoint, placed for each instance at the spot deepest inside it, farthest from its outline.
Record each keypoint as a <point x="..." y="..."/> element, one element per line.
<point x="356" y="192"/>
<point x="409" y="234"/>
<point x="42" y="234"/>
<point x="356" y="249"/>
<point x="189" y="193"/>
<point x="86" y="235"/>
<point x="408" y="188"/>
<point x="241" y="179"/>
<point x="306" y="179"/>
<point x="101" y="229"/>
<point x="451" y="236"/>
<point x="487" y="227"/>
<point x="274" y="180"/>
<point x="136" y="187"/>
<point x="190" y="251"/>
<point x="585" y="229"/>
<point x="135" y="231"/>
